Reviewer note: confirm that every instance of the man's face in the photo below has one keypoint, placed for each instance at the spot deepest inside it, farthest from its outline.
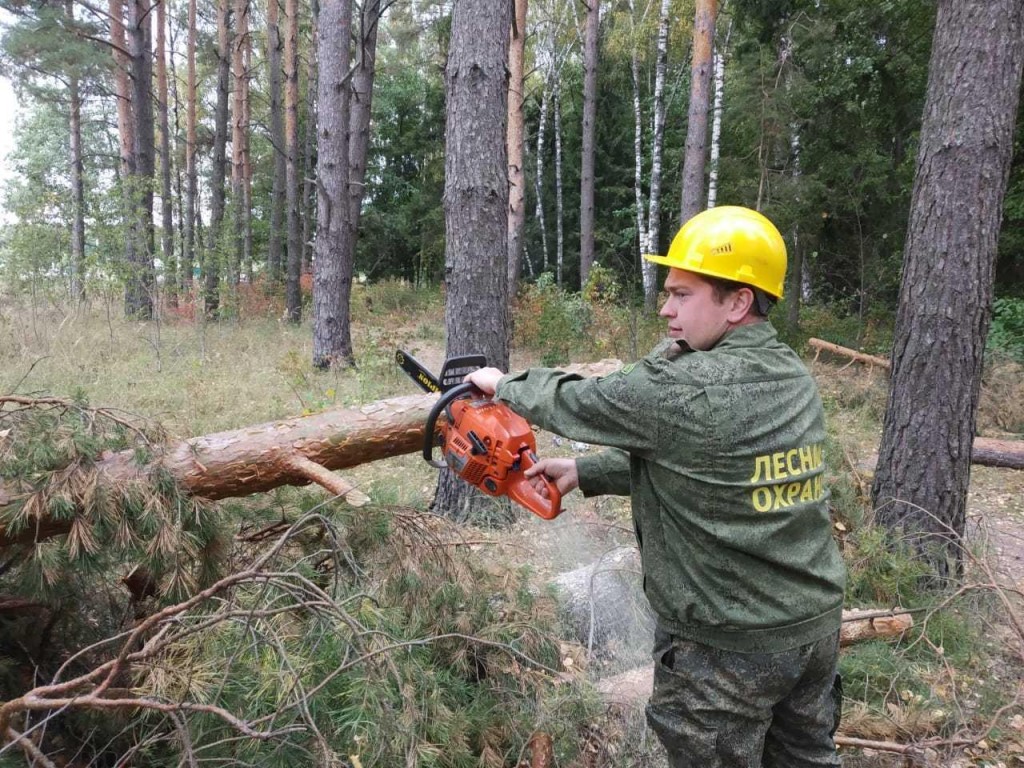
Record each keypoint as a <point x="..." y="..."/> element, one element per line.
<point x="694" y="315"/>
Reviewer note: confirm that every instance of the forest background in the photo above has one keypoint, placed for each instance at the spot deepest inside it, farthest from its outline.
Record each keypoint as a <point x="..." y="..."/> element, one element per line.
<point x="208" y="232"/>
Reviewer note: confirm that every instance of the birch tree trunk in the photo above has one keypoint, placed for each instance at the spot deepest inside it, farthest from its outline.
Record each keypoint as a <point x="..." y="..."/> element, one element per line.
<point x="649" y="271"/>
<point x="191" y="174"/>
<point x="538" y="177"/>
<point x="966" y="144"/>
<point x="275" y="245"/>
<point x="716" y="120"/>
<point x="293" y="294"/>
<point x="697" y="121"/>
<point x="559" y="208"/>
<point x="166" y="197"/>
<point x="332" y="268"/>
<point x="516" y="172"/>
<point x="590" y="47"/>
<point x="476" y="200"/>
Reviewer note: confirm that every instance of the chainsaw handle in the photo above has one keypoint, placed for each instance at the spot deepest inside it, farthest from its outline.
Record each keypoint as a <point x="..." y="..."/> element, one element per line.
<point x="446" y="399"/>
<point x="522" y="491"/>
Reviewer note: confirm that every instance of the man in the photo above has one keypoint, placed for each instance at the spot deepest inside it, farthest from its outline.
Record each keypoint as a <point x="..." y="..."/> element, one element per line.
<point x="718" y="439"/>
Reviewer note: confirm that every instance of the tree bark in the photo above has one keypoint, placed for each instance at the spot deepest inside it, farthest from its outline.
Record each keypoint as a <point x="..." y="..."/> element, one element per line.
<point x="591" y="35"/>
<point x="649" y="271"/>
<point x="694" y="160"/>
<point x="140" y="283"/>
<point x="476" y="199"/>
<point x="966" y="143"/>
<point x="77" y="181"/>
<point x="538" y="177"/>
<point x="307" y="178"/>
<point x="332" y="268"/>
<point x="166" y="199"/>
<point x="215" y="236"/>
<point x="125" y="127"/>
<point x="257" y="458"/>
<point x="191" y="175"/>
<point x="556" y="95"/>
<point x="293" y="293"/>
<point x="275" y="246"/>
<point x="516" y="172"/>
<point x="238" y="131"/>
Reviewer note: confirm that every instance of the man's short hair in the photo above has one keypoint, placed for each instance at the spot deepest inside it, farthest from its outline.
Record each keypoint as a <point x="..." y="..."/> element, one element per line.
<point x="723" y="288"/>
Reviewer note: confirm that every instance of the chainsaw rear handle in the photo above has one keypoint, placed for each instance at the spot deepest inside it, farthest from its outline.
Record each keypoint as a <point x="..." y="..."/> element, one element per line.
<point x="442" y="403"/>
<point x="522" y="491"/>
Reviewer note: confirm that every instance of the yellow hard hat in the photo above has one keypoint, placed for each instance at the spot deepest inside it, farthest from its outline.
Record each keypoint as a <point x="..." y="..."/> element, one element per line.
<point x="733" y="243"/>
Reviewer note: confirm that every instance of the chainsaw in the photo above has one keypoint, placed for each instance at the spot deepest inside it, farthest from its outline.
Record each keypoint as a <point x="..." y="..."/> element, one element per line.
<point x="482" y="441"/>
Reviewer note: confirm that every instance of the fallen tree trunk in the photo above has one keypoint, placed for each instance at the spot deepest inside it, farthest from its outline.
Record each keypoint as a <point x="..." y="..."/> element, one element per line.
<point x="860" y="357"/>
<point x="990" y="452"/>
<point x="255" y="459"/>
<point x="633" y="686"/>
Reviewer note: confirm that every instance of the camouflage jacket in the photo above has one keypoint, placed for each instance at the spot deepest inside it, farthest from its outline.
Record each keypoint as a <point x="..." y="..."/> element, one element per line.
<point x="721" y="453"/>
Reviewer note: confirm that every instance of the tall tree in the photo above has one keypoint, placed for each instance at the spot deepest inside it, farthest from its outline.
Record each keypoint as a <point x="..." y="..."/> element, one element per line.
<point x="516" y="172"/>
<point x="215" y="241"/>
<point x="476" y="198"/>
<point x="239" y="131"/>
<point x="275" y="245"/>
<point x="166" y="199"/>
<point x="591" y="35"/>
<point x="332" y="267"/>
<point x="188" y="258"/>
<point x="293" y="293"/>
<point x="307" y="168"/>
<point x="920" y="487"/>
<point x="140" y="283"/>
<point x="694" y="160"/>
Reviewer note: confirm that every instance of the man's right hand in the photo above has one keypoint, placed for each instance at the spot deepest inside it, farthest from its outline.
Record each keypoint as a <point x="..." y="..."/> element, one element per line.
<point x="561" y="471"/>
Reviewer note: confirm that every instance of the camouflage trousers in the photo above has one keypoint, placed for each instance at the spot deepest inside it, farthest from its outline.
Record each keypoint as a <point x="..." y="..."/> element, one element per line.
<point x="721" y="709"/>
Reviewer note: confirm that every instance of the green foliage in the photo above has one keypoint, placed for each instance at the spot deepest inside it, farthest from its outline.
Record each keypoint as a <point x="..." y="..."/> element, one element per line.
<point x="551" y="320"/>
<point x="423" y="653"/>
<point x="1006" y="334"/>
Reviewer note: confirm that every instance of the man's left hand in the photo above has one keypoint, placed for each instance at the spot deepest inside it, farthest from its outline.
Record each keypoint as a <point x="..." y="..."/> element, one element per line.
<point x="485" y="379"/>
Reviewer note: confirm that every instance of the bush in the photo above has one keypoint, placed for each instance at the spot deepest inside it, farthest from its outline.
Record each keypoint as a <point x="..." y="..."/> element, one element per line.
<point x="1007" y="332"/>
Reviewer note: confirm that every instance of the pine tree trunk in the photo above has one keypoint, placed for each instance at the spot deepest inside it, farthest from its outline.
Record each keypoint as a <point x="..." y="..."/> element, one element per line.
<point x="640" y="209"/>
<point x="590" y="48"/>
<point x="247" y="159"/>
<point x="166" y="199"/>
<point x="697" y="121"/>
<point x="649" y="274"/>
<point x="516" y="171"/>
<point x="966" y="144"/>
<point x="332" y="268"/>
<point x="125" y="124"/>
<point x="238" y="130"/>
<point x="180" y="151"/>
<point x="140" y="283"/>
<point x="476" y="199"/>
<point x="309" y="159"/>
<point x="215" y="239"/>
<point x="191" y="175"/>
<point x="293" y="294"/>
<point x="275" y="246"/>
<point x="77" y="182"/>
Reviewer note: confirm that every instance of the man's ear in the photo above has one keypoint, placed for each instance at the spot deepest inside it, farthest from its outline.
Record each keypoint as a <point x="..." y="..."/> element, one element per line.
<point x="741" y="304"/>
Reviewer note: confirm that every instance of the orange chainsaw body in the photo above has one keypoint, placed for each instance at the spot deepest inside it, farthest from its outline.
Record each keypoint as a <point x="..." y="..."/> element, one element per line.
<point x="490" y="446"/>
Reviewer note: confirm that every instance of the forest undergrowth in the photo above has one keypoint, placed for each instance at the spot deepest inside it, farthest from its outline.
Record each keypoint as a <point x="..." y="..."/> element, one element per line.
<point x="323" y="635"/>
